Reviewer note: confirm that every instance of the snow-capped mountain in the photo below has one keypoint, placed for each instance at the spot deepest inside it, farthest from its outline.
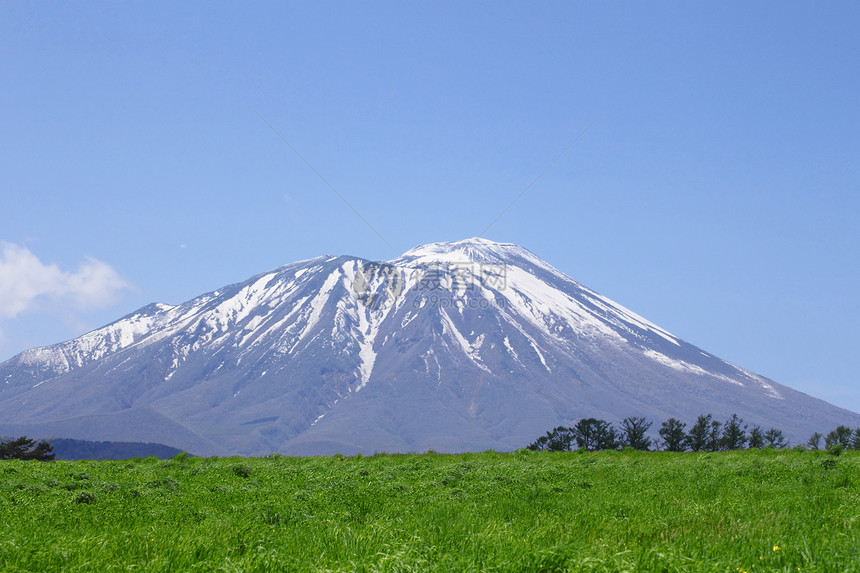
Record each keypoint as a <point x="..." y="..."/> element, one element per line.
<point x="458" y="346"/>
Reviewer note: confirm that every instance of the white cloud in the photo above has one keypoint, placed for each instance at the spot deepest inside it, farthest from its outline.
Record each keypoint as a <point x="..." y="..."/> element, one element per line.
<point x="25" y="280"/>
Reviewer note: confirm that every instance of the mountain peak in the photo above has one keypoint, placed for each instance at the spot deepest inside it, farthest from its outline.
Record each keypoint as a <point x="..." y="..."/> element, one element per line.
<point x="475" y="250"/>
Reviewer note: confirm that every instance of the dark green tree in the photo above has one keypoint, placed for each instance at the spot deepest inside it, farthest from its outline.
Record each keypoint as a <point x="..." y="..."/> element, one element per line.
<point x="24" y="448"/>
<point x="672" y="432"/>
<point x="715" y="437"/>
<point x="607" y="437"/>
<point x="855" y="439"/>
<point x="592" y="434"/>
<point x="558" y="440"/>
<point x="841" y="435"/>
<point x="775" y="438"/>
<point x="697" y="439"/>
<point x="538" y="445"/>
<point x="584" y="432"/>
<point x="734" y="434"/>
<point x="814" y="441"/>
<point x="633" y="433"/>
<point x="756" y="438"/>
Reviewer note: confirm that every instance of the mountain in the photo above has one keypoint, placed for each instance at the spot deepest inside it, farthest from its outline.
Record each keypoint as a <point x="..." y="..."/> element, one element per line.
<point x="461" y="346"/>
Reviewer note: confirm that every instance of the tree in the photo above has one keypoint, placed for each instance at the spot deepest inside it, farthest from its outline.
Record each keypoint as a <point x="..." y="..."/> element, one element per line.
<point x="697" y="439"/>
<point x="633" y="433"/>
<point x="24" y="448"/>
<point x="756" y="439"/>
<point x="672" y="432"/>
<point x="841" y="435"/>
<point x="592" y="434"/>
<point x="585" y="433"/>
<point x="607" y="437"/>
<point x="538" y="445"/>
<point x="814" y="441"/>
<point x="558" y="440"/>
<point x="714" y="437"/>
<point x="775" y="438"/>
<point x="855" y="439"/>
<point x="734" y="434"/>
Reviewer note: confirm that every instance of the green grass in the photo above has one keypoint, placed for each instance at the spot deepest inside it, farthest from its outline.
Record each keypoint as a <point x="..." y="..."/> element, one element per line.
<point x="526" y="511"/>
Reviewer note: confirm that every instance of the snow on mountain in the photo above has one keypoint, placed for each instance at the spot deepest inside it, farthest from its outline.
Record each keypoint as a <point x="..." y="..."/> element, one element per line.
<point x="452" y="346"/>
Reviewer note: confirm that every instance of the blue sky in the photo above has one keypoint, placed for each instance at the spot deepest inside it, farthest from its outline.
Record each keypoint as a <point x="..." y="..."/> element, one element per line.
<point x="717" y="193"/>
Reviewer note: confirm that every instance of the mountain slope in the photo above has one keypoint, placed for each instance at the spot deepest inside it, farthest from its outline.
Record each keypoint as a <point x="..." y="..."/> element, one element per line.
<point x="452" y="346"/>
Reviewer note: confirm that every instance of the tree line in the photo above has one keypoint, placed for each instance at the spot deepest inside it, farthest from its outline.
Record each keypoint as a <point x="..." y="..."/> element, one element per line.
<point x="24" y="448"/>
<point x="842" y="438"/>
<point x="706" y="434"/>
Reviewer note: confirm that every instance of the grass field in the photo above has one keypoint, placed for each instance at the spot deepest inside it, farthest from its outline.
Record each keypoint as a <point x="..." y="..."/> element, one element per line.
<point x="770" y="510"/>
